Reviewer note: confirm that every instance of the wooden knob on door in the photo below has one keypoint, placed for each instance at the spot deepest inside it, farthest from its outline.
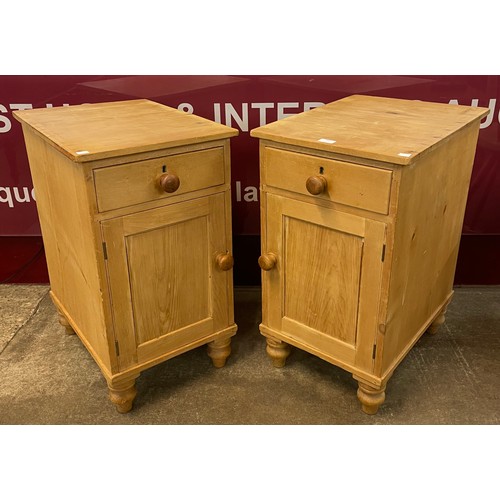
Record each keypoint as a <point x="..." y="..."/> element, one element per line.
<point x="267" y="261"/>
<point x="225" y="261"/>
<point x="169" y="183"/>
<point x="316" y="184"/>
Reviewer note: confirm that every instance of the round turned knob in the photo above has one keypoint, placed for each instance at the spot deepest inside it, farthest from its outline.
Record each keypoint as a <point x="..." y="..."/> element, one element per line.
<point x="169" y="183"/>
<point x="267" y="261"/>
<point x="225" y="261"/>
<point x="316" y="184"/>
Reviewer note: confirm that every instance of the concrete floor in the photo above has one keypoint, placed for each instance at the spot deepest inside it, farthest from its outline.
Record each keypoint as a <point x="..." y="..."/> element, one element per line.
<point x="48" y="377"/>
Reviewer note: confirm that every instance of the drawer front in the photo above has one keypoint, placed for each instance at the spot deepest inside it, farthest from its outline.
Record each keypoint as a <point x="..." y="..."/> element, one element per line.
<point x="138" y="182"/>
<point x="346" y="183"/>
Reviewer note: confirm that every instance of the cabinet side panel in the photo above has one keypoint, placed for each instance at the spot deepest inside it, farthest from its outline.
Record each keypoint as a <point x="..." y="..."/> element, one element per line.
<point x="431" y="207"/>
<point x="69" y="241"/>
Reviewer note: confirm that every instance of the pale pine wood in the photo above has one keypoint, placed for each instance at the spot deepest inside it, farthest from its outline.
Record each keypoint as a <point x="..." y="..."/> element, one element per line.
<point x="108" y="373"/>
<point x="316" y="351"/>
<point x="302" y="333"/>
<point x="370" y="293"/>
<point x="64" y="322"/>
<point x="122" y="394"/>
<point x="168" y="277"/>
<point x="427" y="236"/>
<point x="140" y="275"/>
<point x="278" y="351"/>
<point x="173" y="352"/>
<point x="138" y="182"/>
<point x="218" y="351"/>
<point x="370" y="398"/>
<point x="226" y="304"/>
<point x="309" y="297"/>
<point x="221" y="293"/>
<point x="377" y="128"/>
<point x="174" y="339"/>
<point x="405" y="211"/>
<point x="316" y="254"/>
<point x="164" y="276"/>
<point x="69" y="241"/>
<point x="119" y="128"/>
<point x="438" y="321"/>
<point x="346" y="183"/>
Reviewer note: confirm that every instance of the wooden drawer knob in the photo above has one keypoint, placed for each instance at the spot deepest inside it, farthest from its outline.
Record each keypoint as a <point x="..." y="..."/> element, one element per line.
<point x="169" y="183"/>
<point x="225" y="261"/>
<point x="316" y="184"/>
<point x="267" y="261"/>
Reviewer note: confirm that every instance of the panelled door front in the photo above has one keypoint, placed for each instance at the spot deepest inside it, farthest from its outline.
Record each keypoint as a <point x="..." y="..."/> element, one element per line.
<point x="324" y="290"/>
<point x="166" y="289"/>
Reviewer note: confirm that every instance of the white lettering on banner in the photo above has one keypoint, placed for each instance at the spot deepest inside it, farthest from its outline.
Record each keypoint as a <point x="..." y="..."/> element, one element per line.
<point x="217" y="113"/>
<point x="19" y="107"/>
<point x="239" y="113"/>
<point x="6" y="195"/>
<point x="7" y="123"/>
<point x="286" y="105"/>
<point x="251" y="193"/>
<point x="488" y="119"/>
<point x="242" y="118"/>
<point x="26" y="195"/>
<point x="262" y="107"/>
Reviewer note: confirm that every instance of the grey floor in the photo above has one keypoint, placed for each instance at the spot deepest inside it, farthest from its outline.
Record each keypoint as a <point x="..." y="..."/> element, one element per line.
<point x="47" y="377"/>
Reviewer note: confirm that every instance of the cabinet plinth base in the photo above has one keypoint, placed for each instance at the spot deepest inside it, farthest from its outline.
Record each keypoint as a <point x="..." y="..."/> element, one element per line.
<point x="278" y="351"/>
<point x="370" y="398"/>
<point x="122" y="395"/>
<point x="219" y="350"/>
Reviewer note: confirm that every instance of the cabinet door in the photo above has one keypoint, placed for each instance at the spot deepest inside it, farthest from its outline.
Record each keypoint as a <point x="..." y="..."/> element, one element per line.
<point x="324" y="290"/>
<point x="166" y="288"/>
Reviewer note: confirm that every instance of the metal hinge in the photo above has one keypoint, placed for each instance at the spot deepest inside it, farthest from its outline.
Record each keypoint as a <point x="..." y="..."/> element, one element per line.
<point x="117" y="348"/>
<point x="374" y="351"/>
<point x="383" y="252"/>
<point x="105" y="250"/>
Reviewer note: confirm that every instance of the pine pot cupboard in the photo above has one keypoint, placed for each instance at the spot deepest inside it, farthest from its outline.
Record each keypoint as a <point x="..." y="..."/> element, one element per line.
<point x="135" y="210"/>
<point x="362" y="206"/>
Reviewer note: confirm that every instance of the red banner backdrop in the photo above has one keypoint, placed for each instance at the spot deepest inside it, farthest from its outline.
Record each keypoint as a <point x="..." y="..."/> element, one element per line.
<point x="242" y="102"/>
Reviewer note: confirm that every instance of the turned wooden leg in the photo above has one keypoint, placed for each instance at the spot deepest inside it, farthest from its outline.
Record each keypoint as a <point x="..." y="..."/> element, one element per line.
<point x="122" y="394"/>
<point x="278" y="351"/>
<point x="64" y="322"/>
<point x="219" y="350"/>
<point x="370" y="398"/>
<point x="62" y="319"/>
<point x="436" y="324"/>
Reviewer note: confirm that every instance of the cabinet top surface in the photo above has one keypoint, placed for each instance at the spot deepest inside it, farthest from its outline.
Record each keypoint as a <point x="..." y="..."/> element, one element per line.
<point x="94" y="131"/>
<point x="378" y="128"/>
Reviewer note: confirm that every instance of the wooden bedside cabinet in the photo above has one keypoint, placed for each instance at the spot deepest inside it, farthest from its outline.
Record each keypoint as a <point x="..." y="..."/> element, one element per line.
<point x="135" y="210"/>
<point x="362" y="206"/>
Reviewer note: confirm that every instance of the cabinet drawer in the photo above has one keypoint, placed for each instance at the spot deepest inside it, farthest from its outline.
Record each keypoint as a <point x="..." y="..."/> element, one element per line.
<point x="134" y="183"/>
<point x="346" y="183"/>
